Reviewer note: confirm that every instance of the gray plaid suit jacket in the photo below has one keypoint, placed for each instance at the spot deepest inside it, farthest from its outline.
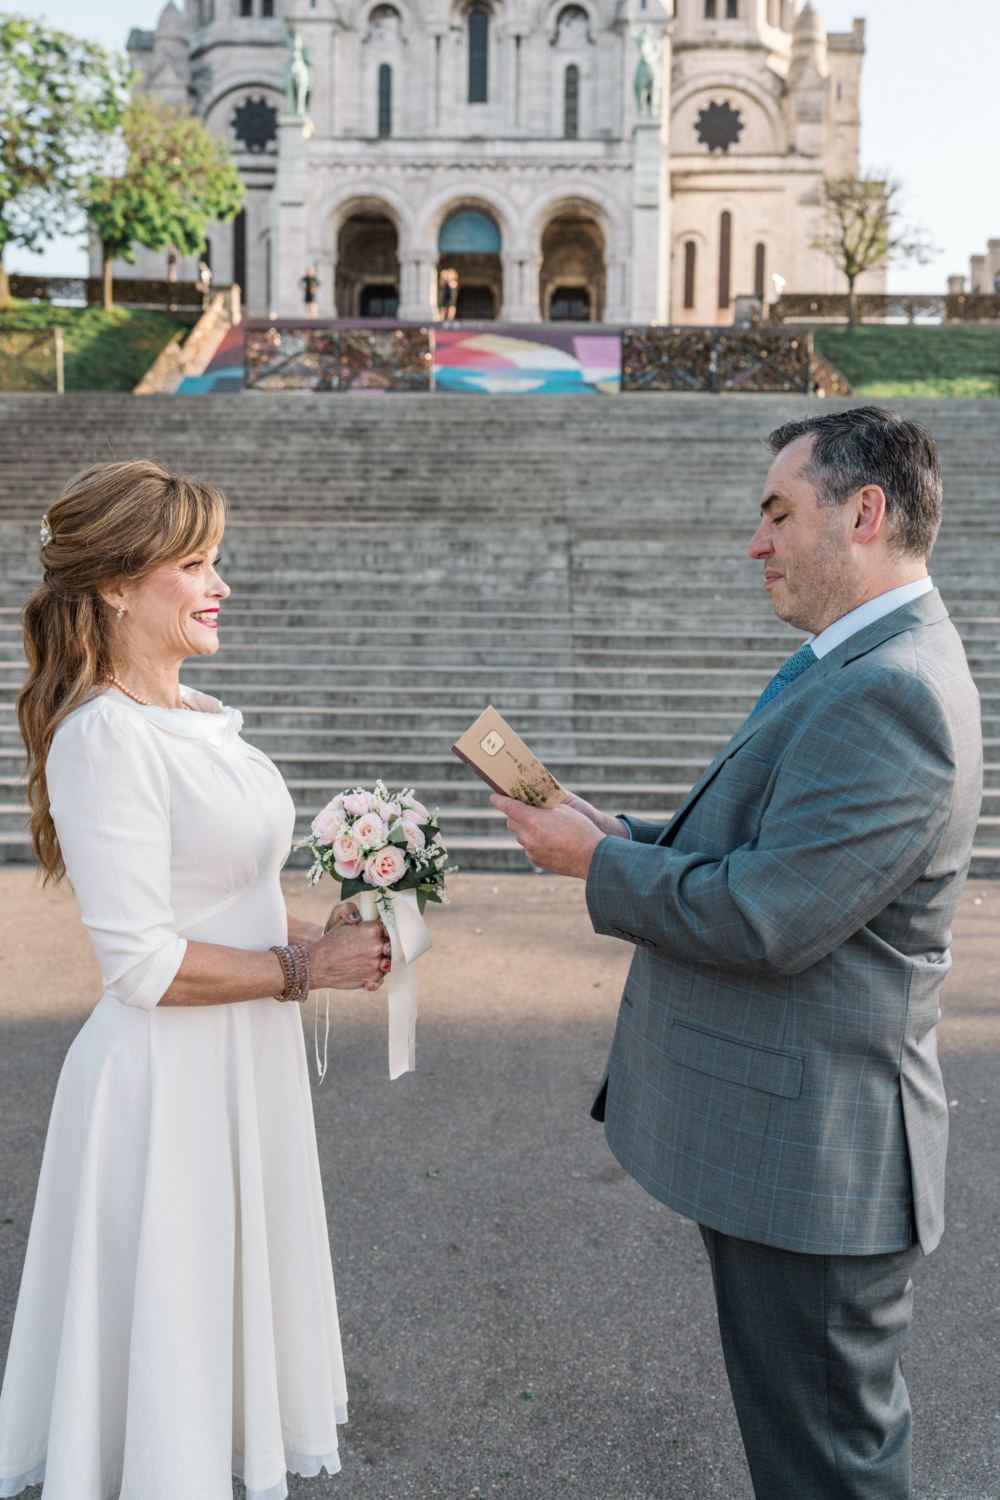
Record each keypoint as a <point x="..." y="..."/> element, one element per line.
<point x="774" y="1070"/>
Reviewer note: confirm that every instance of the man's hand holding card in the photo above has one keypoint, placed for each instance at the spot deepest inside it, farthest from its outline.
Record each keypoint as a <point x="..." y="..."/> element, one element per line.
<point x="557" y="830"/>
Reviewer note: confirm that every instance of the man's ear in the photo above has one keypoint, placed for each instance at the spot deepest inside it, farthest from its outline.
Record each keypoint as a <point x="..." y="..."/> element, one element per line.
<point x="868" y="505"/>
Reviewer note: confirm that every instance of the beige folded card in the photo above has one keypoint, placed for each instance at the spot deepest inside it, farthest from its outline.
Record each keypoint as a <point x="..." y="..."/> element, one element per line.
<point x="503" y="760"/>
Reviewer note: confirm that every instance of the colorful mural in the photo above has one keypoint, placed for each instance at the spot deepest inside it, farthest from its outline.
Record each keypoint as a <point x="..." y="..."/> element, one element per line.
<point x="535" y="361"/>
<point x="224" y="373"/>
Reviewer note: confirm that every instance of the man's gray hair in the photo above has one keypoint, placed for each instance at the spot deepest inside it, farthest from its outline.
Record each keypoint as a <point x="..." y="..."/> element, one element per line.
<point x="868" y="445"/>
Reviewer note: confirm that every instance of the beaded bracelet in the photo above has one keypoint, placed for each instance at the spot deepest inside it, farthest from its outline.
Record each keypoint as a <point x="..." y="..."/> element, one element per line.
<point x="295" y="966"/>
<point x="303" y="969"/>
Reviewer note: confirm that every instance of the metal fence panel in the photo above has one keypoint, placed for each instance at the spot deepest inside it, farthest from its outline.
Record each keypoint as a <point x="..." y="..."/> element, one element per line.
<point x="761" y="360"/>
<point x="715" y="359"/>
<point x="28" y="360"/>
<point x="291" y="359"/>
<point x="667" y="359"/>
<point x="396" y="359"/>
<point x="303" y="358"/>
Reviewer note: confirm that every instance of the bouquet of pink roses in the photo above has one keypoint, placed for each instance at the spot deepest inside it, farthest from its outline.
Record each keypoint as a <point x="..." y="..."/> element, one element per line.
<point x="379" y="842"/>
<point x="385" y="849"/>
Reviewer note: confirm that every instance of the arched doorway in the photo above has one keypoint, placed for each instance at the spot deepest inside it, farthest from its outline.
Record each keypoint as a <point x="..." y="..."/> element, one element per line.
<point x="571" y="281"/>
<point x="469" y="245"/>
<point x="367" y="267"/>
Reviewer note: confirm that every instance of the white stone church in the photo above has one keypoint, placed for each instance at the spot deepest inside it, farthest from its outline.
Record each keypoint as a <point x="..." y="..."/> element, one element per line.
<point x="617" y="161"/>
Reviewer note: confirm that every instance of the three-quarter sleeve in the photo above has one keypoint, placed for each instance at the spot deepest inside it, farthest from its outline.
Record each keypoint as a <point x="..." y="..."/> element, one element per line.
<point x="110" y="800"/>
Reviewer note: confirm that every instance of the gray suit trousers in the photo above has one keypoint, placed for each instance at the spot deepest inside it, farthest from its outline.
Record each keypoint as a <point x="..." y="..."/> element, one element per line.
<point x="813" y="1347"/>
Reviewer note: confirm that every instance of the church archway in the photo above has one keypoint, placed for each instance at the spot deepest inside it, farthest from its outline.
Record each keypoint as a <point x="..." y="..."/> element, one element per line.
<point x="571" y="280"/>
<point x="469" y="245"/>
<point x="367" y="266"/>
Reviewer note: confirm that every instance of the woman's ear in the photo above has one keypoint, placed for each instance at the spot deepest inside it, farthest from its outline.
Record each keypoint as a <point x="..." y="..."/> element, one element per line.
<point x="113" y="598"/>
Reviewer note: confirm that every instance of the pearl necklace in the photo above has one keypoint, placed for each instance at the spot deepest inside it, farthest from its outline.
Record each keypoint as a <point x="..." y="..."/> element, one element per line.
<point x="135" y="696"/>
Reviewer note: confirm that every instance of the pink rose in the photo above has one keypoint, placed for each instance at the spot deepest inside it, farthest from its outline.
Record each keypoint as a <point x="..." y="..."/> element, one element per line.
<point x="358" y="803"/>
<point x="389" y="810"/>
<point x="414" y="838"/>
<point x="417" y="810"/>
<point x="368" y="832"/>
<point x="439" y="840"/>
<point x="385" y="867"/>
<point x="326" y="825"/>
<point x="346" y="847"/>
<point x="349" y="869"/>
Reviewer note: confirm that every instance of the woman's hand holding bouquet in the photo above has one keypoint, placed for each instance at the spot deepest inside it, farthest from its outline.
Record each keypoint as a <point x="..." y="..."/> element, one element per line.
<point x="343" y="955"/>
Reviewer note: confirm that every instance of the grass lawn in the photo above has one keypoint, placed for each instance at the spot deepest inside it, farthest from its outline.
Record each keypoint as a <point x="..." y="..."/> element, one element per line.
<point x="900" y="360"/>
<point x="103" y="351"/>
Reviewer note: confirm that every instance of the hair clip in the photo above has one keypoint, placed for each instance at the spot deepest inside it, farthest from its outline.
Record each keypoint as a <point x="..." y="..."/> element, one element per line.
<point x="46" y="532"/>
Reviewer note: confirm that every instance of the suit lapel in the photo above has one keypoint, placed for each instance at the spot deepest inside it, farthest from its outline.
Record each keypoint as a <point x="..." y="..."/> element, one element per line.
<point x="927" y="610"/>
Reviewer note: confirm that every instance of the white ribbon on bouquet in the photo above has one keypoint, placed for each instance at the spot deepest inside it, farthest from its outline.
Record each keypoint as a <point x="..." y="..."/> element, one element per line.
<point x="409" y="938"/>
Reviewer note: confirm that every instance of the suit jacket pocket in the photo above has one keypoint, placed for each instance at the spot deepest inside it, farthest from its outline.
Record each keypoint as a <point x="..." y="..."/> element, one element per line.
<point x="735" y="1062"/>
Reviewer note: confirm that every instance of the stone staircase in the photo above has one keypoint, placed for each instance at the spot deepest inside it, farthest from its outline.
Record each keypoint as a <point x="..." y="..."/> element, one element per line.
<point x="398" y="563"/>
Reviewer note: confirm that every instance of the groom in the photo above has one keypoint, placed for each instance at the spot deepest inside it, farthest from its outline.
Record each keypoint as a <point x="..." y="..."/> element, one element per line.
<point x="774" y="1070"/>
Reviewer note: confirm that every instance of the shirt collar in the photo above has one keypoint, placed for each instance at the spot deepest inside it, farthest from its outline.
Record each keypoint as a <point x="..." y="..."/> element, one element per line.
<point x="867" y="614"/>
<point x="212" y="721"/>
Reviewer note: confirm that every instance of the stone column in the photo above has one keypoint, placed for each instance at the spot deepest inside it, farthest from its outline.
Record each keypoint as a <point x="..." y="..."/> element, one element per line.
<point x="617" y="300"/>
<point x="651" y="203"/>
<point x="417" y="286"/>
<point x="665" y="220"/>
<point x="992" y="266"/>
<point x="645" y="221"/>
<point x="520" y="287"/>
<point x="289" y="244"/>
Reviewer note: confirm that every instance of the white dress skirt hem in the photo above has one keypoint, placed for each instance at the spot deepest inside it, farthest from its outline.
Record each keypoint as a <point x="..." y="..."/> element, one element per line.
<point x="303" y="1464"/>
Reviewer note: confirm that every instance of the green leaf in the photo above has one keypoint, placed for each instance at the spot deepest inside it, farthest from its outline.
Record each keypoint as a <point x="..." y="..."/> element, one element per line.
<point x="397" y="834"/>
<point x="353" y="887"/>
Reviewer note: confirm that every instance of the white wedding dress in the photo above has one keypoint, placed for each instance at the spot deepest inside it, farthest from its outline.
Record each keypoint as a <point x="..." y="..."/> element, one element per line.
<point x="177" y="1320"/>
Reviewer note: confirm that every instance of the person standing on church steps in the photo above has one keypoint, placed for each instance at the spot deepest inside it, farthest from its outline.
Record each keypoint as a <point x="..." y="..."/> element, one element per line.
<point x="774" y="1071"/>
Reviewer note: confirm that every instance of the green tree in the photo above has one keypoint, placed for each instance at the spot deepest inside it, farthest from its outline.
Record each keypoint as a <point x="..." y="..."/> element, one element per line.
<point x="60" y="99"/>
<point x="175" y="180"/>
<point x="860" y="228"/>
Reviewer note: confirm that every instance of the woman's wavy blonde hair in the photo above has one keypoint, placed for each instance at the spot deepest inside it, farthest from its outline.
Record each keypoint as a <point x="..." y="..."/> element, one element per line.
<point x="112" y="524"/>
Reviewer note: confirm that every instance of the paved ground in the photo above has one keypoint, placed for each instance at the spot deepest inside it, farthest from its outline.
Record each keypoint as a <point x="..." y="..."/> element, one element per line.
<point x="520" y="1320"/>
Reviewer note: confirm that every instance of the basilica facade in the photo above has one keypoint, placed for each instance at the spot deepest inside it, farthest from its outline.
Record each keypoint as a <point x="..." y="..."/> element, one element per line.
<point x="614" y="161"/>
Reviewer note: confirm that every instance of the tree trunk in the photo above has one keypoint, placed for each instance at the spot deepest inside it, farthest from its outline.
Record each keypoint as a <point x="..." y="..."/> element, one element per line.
<point x="4" y="287"/>
<point x="109" y="298"/>
<point x="852" y="306"/>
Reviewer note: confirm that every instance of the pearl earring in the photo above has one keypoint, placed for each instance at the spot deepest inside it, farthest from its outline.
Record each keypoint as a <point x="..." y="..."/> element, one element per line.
<point x="121" y="611"/>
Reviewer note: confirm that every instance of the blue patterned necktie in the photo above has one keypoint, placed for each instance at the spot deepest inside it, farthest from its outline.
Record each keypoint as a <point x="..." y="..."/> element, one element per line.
<point x="804" y="658"/>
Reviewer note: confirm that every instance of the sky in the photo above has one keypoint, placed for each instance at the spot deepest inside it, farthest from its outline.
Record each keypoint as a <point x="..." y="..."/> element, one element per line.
<point x="928" y="115"/>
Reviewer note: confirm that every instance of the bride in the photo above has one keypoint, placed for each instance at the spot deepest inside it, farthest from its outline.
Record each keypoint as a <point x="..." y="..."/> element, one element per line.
<point x="177" y="1320"/>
